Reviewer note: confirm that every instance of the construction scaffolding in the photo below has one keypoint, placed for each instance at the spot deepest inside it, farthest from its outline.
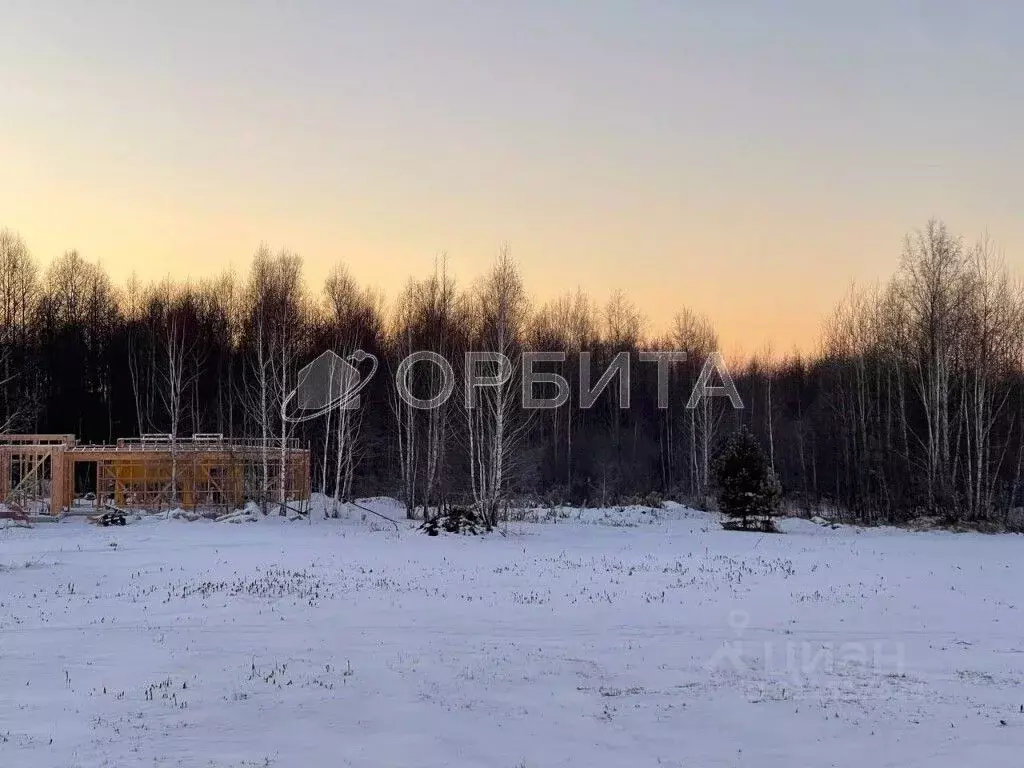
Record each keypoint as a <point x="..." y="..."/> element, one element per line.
<point x="152" y="472"/>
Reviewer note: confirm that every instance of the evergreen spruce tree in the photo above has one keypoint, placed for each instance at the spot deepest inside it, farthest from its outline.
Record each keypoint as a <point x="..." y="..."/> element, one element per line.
<point x="748" y="490"/>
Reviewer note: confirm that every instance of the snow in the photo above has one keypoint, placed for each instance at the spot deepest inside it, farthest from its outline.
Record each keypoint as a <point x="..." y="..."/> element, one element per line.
<point x="594" y="638"/>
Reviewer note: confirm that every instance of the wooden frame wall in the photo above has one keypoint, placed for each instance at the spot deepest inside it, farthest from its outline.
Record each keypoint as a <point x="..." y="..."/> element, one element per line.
<point x="151" y="474"/>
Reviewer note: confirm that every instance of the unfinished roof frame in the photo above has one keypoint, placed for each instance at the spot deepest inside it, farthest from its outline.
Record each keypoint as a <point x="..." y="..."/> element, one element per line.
<point x="152" y="472"/>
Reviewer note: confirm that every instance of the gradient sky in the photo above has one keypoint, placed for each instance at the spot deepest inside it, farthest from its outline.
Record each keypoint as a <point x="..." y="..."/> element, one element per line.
<point x="745" y="159"/>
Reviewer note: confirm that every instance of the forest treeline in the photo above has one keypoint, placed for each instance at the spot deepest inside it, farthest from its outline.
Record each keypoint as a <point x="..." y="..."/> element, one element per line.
<point x="913" y="403"/>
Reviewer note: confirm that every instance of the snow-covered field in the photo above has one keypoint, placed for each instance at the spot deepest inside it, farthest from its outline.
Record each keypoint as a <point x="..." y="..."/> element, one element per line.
<point x="615" y="638"/>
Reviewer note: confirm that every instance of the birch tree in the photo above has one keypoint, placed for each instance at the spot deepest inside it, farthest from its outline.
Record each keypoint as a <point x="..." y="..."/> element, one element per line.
<point x="354" y="320"/>
<point x="495" y="421"/>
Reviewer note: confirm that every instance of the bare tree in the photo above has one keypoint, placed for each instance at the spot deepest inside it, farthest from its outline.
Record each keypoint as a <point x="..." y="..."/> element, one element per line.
<point x="275" y="332"/>
<point x="403" y="345"/>
<point x="995" y="318"/>
<point x="354" y="319"/>
<point x="694" y="335"/>
<point x="495" y="421"/>
<point x="933" y="287"/>
<point x="179" y="369"/>
<point x="19" y="296"/>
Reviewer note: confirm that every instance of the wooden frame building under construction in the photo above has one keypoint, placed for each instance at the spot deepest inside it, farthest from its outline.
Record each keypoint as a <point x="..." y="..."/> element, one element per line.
<point x="38" y="472"/>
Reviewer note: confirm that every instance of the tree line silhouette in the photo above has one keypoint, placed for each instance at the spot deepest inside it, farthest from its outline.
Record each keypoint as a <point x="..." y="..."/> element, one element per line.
<point x="911" y="405"/>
